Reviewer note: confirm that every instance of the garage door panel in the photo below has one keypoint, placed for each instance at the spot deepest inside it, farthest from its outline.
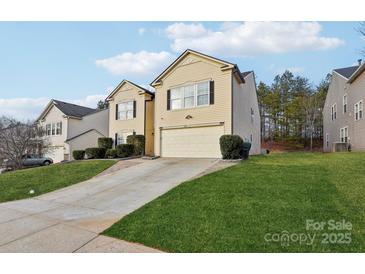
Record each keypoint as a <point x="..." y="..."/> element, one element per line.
<point x="201" y="142"/>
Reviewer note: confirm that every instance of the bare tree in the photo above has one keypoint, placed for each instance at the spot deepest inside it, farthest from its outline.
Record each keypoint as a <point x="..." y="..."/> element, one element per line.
<point x="18" y="139"/>
<point x="361" y="30"/>
<point x="312" y="112"/>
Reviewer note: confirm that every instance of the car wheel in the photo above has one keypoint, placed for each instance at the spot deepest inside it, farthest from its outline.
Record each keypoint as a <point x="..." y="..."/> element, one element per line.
<point x="46" y="163"/>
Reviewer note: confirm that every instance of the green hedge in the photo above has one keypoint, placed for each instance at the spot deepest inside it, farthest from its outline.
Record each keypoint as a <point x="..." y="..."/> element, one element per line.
<point x="95" y="152"/>
<point x="111" y="153"/>
<point x="138" y="141"/>
<point x="105" y="142"/>
<point x="78" y="154"/>
<point x="231" y="146"/>
<point x="125" y="150"/>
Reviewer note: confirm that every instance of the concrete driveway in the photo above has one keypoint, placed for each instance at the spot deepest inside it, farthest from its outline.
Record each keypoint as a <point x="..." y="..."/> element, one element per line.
<point x="70" y="219"/>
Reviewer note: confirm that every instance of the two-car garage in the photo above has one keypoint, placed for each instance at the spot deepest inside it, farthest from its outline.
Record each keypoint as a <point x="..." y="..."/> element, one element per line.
<point x="192" y="142"/>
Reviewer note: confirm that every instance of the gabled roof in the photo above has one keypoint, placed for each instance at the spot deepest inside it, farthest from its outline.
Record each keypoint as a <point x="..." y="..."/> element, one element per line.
<point x="246" y="73"/>
<point x="83" y="133"/>
<point x="346" y="72"/>
<point x="131" y="83"/>
<point x="226" y="64"/>
<point x="71" y="110"/>
<point x="357" y="73"/>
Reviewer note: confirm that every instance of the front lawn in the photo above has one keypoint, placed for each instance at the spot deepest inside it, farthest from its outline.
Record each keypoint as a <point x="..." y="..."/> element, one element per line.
<point x="260" y="205"/>
<point x="18" y="184"/>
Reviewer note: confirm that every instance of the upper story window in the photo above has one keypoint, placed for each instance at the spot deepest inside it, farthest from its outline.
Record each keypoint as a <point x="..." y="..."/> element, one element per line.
<point x="126" y="110"/>
<point x="54" y="129"/>
<point x="358" y="109"/>
<point x="252" y="115"/>
<point x="334" y="112"/>
<point x="190" y="96"/>
<point x="345" y="103"/>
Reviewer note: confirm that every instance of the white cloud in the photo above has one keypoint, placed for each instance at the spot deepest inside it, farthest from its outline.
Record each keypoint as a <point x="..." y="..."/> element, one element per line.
<point x="280" y="70"/>
<point x="89" y="101"/>
<point x="250" y="38"/>
<point x="141" y="31"/>
<point x="130" y="64"/>
<point x="30" y="108"/>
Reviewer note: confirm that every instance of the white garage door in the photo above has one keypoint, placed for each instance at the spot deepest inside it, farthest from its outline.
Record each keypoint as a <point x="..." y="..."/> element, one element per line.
<point x="56" y="154"/>
<point x="199" y="142"/>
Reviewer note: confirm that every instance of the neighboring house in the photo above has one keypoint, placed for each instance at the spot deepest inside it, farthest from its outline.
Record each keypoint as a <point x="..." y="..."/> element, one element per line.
<point x="131" y="111"/>
<point x="343" y="117"/>
<point x="199" y="98"/>
<point x="71" y="127"/>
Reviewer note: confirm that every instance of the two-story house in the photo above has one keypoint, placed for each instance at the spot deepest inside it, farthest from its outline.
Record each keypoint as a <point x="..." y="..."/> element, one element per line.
<point x="131" y="111"/>
<point x="71" y="127"/>
<point x="343" y="118"/>
<point x="198" y="99"/>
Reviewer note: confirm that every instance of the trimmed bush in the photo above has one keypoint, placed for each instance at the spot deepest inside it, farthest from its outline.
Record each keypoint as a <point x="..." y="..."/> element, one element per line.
<point x="125" y="150"/>
<point x="78" y="154"/>
<point x="139" y="143"/>
<point x="95" y="152"/>
<point x="231" y="146"/>
<point x="105" y="142"/>
<point x="111" y="153"/>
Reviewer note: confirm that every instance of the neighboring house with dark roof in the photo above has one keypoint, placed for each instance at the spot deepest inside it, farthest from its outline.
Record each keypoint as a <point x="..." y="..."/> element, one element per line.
<point x="71" y="127"/>
<point x="198" y="99"/>
<point x="343" y="117"/>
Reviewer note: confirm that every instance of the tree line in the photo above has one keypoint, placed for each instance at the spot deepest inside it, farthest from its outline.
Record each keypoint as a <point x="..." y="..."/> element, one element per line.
<point x="291" y="109"/>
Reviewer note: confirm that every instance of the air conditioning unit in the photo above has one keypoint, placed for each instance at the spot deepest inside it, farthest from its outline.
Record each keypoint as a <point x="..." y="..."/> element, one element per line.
<point x="340" y="147"/>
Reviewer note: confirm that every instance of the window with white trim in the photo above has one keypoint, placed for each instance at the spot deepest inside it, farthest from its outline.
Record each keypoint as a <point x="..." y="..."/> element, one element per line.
<point x="334" y="112"/>
<point x="358" y="110"/>
<point x="54" y="129"/>
<point x="327" y="140"/>
<point x="125" y="110"/>
<point x="190" y="96"/>
<point x="344" y="134"/>
<point x="48" y="129"/>
<point x="59" y="128"/>
<point x="345" y="103"/>
<point x="122" y="137"/>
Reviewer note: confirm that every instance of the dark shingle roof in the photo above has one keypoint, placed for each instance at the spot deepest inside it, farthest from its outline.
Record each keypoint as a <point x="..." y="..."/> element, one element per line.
<point x="74" y="110"/>
<point x="347" y="72"/>
<point x="245" y="73"/>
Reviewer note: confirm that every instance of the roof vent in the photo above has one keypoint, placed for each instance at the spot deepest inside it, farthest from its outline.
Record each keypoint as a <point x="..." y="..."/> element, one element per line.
<point x="359" y="61"/>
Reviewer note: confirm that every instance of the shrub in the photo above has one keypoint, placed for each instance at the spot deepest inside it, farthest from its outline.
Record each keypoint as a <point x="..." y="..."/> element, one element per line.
<point x="111" y="153"/>
<point x="78" y="154"/>
<point x="231" y="146"/>
<point x="125" y="150"/>
<point x="95" y="152"/>
<point x="139" y="143"/>
<point x="105" y="142"/>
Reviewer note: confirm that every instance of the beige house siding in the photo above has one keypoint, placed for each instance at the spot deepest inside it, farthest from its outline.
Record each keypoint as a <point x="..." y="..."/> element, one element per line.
<point x="193" y="69"/>
<point x="245" y="98"/>
<point x="89" y="139"/>
<point x="337" y="89"/>
<point x="57" y="146"/>
<point x="98" y="120"/>
<point x="128" y="92"/>
<point x="357" y="133"/>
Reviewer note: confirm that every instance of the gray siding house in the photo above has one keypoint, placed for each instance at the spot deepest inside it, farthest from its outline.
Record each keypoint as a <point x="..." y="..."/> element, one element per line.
<point x="343" y="117"/>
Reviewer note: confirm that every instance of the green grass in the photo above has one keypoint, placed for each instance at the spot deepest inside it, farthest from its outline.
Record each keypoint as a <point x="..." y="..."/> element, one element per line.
<point x="232" y="210"/>
<point x="17" y="184"/>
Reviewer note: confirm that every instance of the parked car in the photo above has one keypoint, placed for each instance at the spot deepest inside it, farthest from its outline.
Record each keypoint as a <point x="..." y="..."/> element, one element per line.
<point x="30" y="160"/>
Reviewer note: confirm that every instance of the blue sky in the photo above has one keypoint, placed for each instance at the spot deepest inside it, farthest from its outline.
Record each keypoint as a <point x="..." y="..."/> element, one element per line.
<point x="82" y="62"/>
